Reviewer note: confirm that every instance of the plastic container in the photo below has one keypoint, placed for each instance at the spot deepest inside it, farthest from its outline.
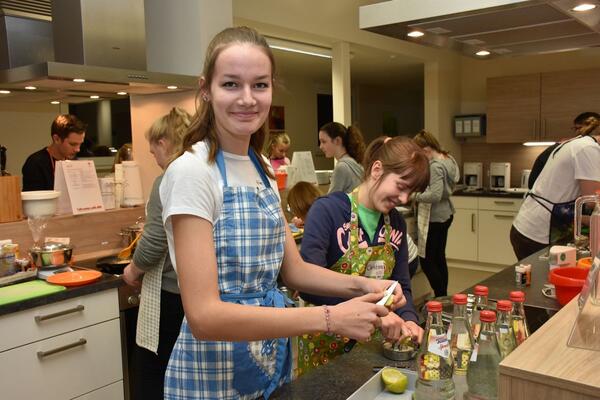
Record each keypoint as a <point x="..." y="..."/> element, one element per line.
<point x="281" y="177"/>
<point x="585" y="262"/>
<point x="568" y="282"/>
<point x="39" y="203"/>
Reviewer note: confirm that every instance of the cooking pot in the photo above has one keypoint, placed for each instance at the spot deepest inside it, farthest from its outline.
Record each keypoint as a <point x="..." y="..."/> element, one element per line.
<point x="129" y="233"/>
<point x="51" y="255"/>
<point x="112" y="264"/>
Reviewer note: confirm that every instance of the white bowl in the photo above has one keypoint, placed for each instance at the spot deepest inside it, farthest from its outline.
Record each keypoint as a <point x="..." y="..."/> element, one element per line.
<point x="39" y="203"/>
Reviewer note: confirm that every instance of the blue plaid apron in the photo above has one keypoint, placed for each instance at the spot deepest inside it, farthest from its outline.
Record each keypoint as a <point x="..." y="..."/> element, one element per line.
<point x="249" y="239"/>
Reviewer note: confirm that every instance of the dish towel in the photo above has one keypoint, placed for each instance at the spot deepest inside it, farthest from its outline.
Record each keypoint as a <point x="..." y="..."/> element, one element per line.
<point x="148" y="324"/>
<point x="423" y="212"/>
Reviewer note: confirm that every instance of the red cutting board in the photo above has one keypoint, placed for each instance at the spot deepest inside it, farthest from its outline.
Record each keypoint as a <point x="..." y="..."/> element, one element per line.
<point x="27" y="290"/>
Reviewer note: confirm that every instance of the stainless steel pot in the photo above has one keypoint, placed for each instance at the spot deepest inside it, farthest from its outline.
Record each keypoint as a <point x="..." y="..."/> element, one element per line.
<point x="51" y="255"/>
<point x="129" y="233"/>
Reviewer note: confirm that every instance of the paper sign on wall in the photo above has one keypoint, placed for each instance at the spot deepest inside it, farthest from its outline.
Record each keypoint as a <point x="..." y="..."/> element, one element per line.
<point x="78" y="186"/>
<point x="302" y="161"/>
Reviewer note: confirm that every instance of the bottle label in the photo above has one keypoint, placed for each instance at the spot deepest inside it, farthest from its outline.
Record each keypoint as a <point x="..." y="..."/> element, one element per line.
<point x="439" y="345"/>
<point x="474" y="353"/>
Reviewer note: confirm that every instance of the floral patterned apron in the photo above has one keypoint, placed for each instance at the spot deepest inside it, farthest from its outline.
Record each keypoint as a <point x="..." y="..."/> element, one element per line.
<point x="374" y="262"/>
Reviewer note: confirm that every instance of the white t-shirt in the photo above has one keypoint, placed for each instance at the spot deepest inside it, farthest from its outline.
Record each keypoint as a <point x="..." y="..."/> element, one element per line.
<point x="578" y="159"/>
<point x="193" y="186"/>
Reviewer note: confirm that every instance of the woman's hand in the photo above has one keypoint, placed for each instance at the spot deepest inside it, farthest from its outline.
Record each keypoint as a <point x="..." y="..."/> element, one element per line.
<point x="298" y="222"/>
<point x="394" y="328"/>
<point x="369" y="285"/>
<point x="412" y="329"/>
<point x="132" y="275"/>
<point x="357" y="318"/>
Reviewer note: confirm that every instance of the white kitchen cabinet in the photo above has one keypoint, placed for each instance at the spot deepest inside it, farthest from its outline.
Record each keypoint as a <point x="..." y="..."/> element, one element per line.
<point x="72" y="349"/>
<point x="480" y="230"/>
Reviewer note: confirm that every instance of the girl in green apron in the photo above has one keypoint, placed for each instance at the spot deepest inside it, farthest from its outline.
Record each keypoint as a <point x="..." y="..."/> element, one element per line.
<point x="362" y="234"/>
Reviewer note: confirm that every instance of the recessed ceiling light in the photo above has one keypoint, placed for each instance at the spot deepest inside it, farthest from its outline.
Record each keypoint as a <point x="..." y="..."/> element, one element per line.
<point x="55" y="102"/>
<point x="171" y="87"/>
<point x="415" y="34"/>
<point x="584" y="7"/>
<point x="79" y="80"/>
<point x="30" y="87"/>
<point x="482" y="53"/>
<point x="121" y="93"/>
<point x="4" y="91"/>
<point x="94" y="96"/>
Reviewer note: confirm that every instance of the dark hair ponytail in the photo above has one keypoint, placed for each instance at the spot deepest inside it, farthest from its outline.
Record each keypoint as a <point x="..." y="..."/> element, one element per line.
<point x="352" y="138"/>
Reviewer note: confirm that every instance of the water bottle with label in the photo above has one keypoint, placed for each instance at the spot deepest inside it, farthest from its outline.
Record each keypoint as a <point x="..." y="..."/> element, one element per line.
<point x="461" y="343"/>
<point x="504" y="328"/>
<point x="519" y="322"/>
<point x="481" y="303"/>
<point x="482" y="374"/>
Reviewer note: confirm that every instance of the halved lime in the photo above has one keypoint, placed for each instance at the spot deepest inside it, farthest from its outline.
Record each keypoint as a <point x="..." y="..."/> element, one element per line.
<point x="394" y="380"/>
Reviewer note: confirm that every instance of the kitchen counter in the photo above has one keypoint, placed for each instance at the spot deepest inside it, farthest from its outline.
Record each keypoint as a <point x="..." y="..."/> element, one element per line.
<point x="341" y="377"/>
<point x="106" y="282"/>
<point x="489" y="193"/>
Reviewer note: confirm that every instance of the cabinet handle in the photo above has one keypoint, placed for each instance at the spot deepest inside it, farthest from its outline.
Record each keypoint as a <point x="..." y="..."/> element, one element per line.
<point x="472" y="222"/>
<point x="40" y="318"/>
<point x="503" y="216"/>
<point x="504" y="203"/>
<point x="42" y="354"/>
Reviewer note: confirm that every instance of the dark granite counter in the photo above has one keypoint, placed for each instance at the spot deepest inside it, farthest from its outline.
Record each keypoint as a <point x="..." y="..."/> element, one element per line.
<point x="106" y="282"/>
<point x="341" y="377"/>
<point x="489" y="193"/>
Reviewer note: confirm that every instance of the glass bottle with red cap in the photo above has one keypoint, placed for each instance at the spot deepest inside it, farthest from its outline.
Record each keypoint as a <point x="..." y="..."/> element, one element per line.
<point x="481" y="303"/>
<point x="434" y="360"/>
<point x="519" y="322"/>
<point x="461" y="343"/>
<point x="482" y="374"/>
<point x="504" y="329"/>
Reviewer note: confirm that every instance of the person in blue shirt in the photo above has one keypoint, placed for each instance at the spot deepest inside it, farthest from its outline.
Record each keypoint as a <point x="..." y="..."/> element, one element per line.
<point x="362" y="233"/>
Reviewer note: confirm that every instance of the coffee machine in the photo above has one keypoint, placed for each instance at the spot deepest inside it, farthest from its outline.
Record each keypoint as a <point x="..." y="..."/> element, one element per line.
<point x="499" y="176"/>
<point x="473" y="175"/>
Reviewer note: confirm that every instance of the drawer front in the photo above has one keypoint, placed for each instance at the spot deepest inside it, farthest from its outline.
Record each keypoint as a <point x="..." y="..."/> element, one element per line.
<point x="500" y="204"/>
<point x="112" y="392"/>
<point x="42" y="322"/>
<point x="78" y="369"/>
<point x="462" y="202"/>
<point x="494" y="242"/>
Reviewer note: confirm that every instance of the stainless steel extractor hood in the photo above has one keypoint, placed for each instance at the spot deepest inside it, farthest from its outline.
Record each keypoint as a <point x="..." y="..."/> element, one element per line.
<point x="99" y="43"/>
<point x="502" y="27"/>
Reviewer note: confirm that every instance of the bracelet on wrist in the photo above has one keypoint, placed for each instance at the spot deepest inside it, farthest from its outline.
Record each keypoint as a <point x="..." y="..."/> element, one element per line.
<point x="327" y="320"/>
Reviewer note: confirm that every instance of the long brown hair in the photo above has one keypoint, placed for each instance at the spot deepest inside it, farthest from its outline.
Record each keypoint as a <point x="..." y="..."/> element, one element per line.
<point x="426" y="139"/>
<point x="300" y="197"/>
<point x="352" y="138"/>
<point x="202" y="126"/>
<point x="399" y="155"/>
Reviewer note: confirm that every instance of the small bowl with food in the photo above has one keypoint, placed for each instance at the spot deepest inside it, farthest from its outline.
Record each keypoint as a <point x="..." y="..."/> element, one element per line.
<point x="402" y="350"/>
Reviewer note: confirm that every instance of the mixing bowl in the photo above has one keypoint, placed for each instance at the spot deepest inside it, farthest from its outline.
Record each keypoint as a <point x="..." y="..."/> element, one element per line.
<point x="568" y="282"/>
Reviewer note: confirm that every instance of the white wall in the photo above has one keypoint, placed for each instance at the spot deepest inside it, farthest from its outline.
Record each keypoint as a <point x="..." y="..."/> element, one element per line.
<point x="25" y="129"/>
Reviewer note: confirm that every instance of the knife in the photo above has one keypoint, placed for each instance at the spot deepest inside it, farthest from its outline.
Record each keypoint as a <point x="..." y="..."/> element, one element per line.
<point x="386" y="296"/>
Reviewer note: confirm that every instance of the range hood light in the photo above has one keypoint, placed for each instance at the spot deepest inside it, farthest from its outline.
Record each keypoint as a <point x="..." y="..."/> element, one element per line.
<point x="172" y="87"/>
<point x="95" y="96"/>
<point x="122" y="93"/>
<point x="79" y="80"/>
<point x="482" y="53"/>
<point x="415" y="34"/>
<point x="538" y="143"/>
<point x="4" y="91"/>
<point x="583" y="7"/>
<point x="55" y="102"/>
<point x="30" y="88"/>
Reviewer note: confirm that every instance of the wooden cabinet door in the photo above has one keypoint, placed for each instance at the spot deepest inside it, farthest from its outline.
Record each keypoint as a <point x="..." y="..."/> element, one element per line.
<point x="462" y="236"/>
<point x="513" y="108"/>
<point x="494" y="242"/>
<point x="565" y="95"/>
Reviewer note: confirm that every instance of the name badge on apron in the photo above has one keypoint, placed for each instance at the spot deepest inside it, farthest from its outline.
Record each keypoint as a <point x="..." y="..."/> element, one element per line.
<point x="375" y="269"/>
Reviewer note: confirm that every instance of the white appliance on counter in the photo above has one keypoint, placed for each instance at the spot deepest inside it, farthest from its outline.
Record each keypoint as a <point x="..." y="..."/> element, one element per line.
<point x="473" y="175"/>
<point x="499" y="176"/>
<point x="525" y="178"/>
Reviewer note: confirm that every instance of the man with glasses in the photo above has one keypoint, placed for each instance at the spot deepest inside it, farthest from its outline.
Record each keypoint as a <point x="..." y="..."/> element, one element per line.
<point x="578" y="123"/>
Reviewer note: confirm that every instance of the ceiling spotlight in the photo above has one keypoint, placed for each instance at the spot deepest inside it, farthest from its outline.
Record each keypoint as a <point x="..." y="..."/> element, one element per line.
<point x="171" y="87"/>
<point x="121" y="93"/>
<point x="55" y="102"/>
<point x="584" y="7"/>
<point x="79" y="80"/>
<point x="4" y="91"/>
<point x="482" y="53"/>
<point x="30" y="88"/>
<point x="415" y="34"/>
<point x="95" y="96"/>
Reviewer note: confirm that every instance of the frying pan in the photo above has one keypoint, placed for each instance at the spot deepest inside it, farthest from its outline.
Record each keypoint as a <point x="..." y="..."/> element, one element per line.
<point x="112" y="264"/>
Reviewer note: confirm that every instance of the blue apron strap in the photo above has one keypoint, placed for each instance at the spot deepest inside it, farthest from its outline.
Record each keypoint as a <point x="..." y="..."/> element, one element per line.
<point x="221" y="165"/>
<point x="259" y="168"/>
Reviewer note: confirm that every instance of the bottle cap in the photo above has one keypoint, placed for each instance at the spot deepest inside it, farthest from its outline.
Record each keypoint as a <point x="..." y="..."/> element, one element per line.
<point x="481" y="290"/>
<point x="517" y="295"/>
<point x="487" y="316"/>
<point x="434" y="306"/>
<point x="459" y="298"/>
<point x="504" y="305"/>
